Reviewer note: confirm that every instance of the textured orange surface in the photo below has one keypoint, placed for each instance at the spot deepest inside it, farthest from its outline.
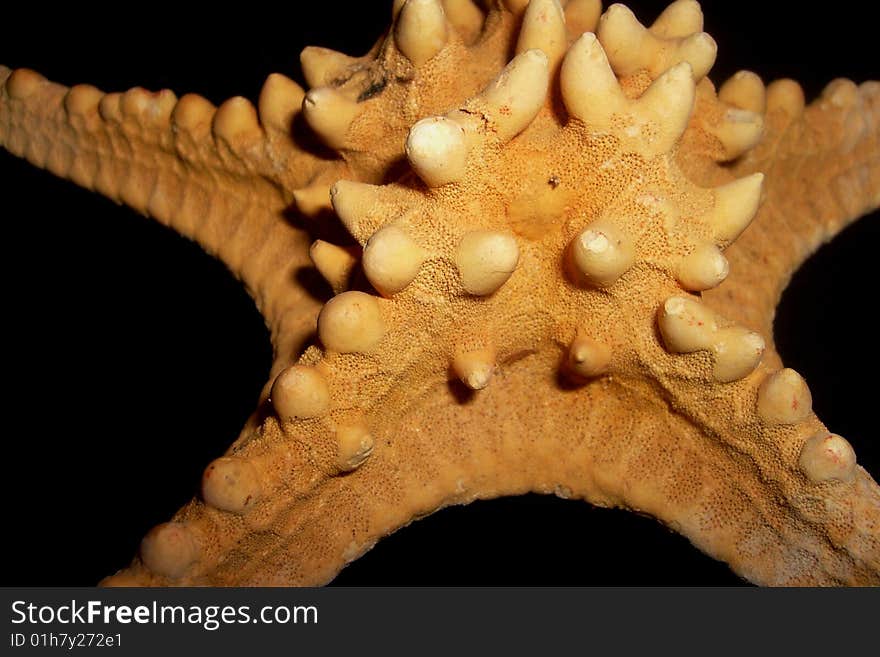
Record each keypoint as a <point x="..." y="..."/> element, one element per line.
<point x="541" y="469"/>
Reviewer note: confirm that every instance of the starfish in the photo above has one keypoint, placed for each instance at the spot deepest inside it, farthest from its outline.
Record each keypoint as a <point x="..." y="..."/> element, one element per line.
<point x="635" y="375"/>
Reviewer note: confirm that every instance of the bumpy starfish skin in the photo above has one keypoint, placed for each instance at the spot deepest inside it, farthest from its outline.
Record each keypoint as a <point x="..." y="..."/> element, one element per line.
<point x="537" y="299"/>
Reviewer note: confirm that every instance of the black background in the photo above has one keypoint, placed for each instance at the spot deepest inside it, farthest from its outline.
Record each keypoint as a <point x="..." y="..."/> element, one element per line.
<point x="131" y="358"/>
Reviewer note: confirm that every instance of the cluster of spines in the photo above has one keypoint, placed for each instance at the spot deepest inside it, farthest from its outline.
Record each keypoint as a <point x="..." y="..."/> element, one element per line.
<point x="422" y="28"/>
<point x="438" y="149"/>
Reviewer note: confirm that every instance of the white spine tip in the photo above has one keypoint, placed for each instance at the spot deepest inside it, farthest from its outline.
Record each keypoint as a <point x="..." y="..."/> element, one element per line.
<point x="514" y="98"/>
<point x="744" y="90"/>
<point x="475" y="367"/>
<point x="827" y="457"/>
<point x="355" y="202"/>
<point x="420" y="32"/>
<point x="737" y="353"/>
<point x="351" y="322"/>
<point x="231" y="484"/>
<point x="667" y="105"/>
<point x="437" y="150"/>
<point x="330" y="114"/>
<point x="600" y="255"/>
<point x="589" y="87"/>
<point x="354" y="444"/>
<point x="619" y="17"/>
<point x="300" y="392"/>
<point x="700" y="51"/>
<point x="681" y="73"/>
<point x="543" y="28"/>
<point x="736" y="204"/>
<point x="392" y="260"/>
<point x="632" y="48"/>
<point x="679" y="19"/>
<point x="784" y="398"/>
<point x="686" y="325"/>
<point x="627" y="43"/>
<point x="169" y="549"/>
<point x="486" y="260"/>
<point x="588" y="358"/>
<point x="703" y="269"/>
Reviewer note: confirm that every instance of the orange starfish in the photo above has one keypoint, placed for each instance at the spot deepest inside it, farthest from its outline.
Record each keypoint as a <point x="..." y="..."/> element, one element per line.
<point x="604" y="310"/>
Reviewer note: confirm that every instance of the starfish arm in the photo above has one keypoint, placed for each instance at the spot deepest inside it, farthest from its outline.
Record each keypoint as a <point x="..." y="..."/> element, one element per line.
<point x="756" y="501"/>
<point x="822" y="168"/>
<point x="701" y="464"/>
<point x="214" y="175"/>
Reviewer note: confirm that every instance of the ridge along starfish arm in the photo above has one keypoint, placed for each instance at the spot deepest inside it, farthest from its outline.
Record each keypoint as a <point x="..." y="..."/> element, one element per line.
<point x="519" y="380"/>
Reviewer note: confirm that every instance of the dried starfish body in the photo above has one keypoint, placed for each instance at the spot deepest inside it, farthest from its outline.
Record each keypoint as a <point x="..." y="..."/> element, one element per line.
<point x="564" y="280"/>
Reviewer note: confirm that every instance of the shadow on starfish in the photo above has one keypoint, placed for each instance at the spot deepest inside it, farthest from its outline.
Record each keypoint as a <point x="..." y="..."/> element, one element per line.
<point x="125" y="424"/>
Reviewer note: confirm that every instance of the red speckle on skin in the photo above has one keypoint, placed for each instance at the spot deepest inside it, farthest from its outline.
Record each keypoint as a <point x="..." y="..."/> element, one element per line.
<point x="794" y="404"/>
<point x="832" y="453"/>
